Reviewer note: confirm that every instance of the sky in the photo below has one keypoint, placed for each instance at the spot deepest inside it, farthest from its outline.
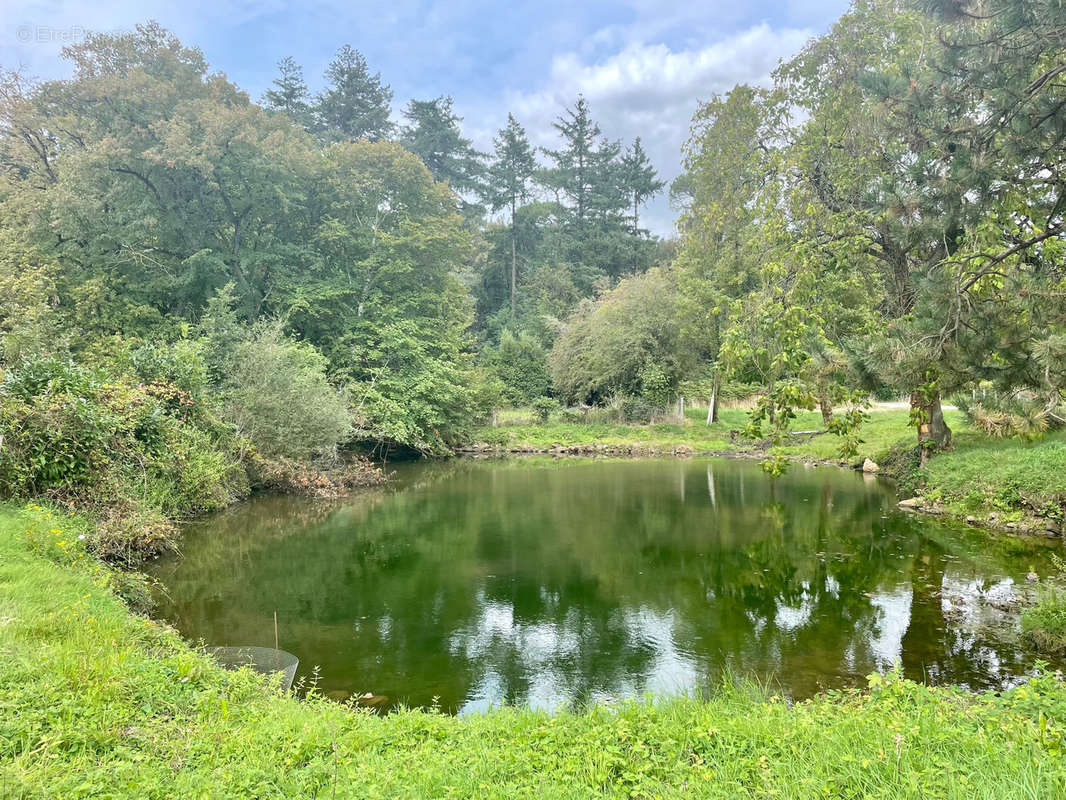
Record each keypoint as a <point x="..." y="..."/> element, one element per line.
<point x="643" y="65"/>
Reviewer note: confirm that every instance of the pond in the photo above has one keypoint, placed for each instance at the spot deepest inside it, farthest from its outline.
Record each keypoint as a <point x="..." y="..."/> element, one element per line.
<point x="555" y="582"/>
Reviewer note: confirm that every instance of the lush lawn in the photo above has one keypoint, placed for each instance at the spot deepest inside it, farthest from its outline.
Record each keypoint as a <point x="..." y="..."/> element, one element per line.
<point x="97" y="703"/>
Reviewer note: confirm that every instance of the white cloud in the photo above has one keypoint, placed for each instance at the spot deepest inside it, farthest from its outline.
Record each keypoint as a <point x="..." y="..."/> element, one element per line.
<point x="651" y="91"/>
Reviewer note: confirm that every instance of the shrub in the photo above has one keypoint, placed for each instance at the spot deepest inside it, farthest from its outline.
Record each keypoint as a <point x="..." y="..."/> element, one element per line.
<point x="521" y="364"/>
<point x="902" y="463"/>
<point x="637" y="410"/>
<point x="56" y="430"/>
<point x="134" y="455"/>
<point x="277" y="396"/>
<point x="543" y="408"/>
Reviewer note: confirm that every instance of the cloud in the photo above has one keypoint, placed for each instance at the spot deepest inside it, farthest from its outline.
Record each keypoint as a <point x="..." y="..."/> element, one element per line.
<point x="651" y="91"/>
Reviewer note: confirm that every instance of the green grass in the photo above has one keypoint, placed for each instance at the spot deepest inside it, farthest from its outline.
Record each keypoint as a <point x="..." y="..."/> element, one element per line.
<point x="1007" y="476"/>
<point x="885" y="428"/>
<point x="1044" y="624"/>
<point x="95" y="702"/>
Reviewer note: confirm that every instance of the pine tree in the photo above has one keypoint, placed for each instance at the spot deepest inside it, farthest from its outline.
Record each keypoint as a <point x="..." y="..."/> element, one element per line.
<point x="576" y="162"/>
<point x="357" y="104"/>
<point x="509" y="174"/>
<point x="432" y="133"/>
<point x="290" y="95"/>
<point x="639" y="179"/>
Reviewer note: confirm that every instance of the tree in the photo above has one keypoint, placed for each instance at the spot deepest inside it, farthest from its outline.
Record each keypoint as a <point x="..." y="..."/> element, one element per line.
<point x="432" y="133"/>
<point x="384" y="302"/>
<point x="576" y="162"/>
<point x="356" y="104"/>
<point x="129" y="222"/>
<point x="507" y="184"/>
<point x="274" y="390"/>
<point x="627" y="342"/>
<point x="639" y="179"/>
<point x="290" y="95"/>
<point x="727" y="161"/>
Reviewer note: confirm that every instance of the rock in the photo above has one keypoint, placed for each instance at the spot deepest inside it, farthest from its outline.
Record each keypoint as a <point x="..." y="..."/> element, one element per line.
<point x="1032" y="577"/>
<point x="370" y="700"/>
<point x="869" y="465"/>
<point x="971" y="520"/>
<point x="911" y="503"/>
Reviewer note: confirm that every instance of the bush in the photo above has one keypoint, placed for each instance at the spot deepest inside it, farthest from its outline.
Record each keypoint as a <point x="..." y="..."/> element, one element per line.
<point x="543" y="408"/>
<point x="57" y="429"/>
<point x="522" y="367"/>
<point x="134" y="455"/>
<point x="637" y="410"/>
<point x="277" y="396"/>
<point x="902" y="463"/>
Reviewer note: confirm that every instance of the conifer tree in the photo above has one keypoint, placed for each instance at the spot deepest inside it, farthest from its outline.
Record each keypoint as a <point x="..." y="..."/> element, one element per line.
<point x="356" y="104"/>
<point x="639" y="179"/>
<point x="575" y="163"/>
<point x="509" y="175"/>
<point x="290" y="95"/>
<point x="432" y="133"/>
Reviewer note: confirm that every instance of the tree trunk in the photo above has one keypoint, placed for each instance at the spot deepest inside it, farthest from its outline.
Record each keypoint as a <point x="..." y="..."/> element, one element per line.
<point x="933" y="433"/>
<point x="712" y="409"/>
<point x="514" y="259"/>
<point x="825" y="405"/>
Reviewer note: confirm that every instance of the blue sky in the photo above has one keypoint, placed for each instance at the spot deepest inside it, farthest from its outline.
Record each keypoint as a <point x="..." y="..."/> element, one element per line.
<point x="643" y="65"/>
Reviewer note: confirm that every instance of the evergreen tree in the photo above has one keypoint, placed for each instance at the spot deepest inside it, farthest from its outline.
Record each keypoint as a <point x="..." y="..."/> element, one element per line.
<point x="356" y="105"/>
<point x="607" y="198"/>
<point x="509" y="175"/>
<point x="432" y="133"/>
<point x="290" y="95"/>
<point x="639" y="179"/>
<point x="575" y="164"/>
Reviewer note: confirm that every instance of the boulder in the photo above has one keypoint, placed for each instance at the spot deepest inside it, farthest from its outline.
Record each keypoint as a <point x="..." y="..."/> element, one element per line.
<point x="911" y="503"/>
<point x="870" y="466"/>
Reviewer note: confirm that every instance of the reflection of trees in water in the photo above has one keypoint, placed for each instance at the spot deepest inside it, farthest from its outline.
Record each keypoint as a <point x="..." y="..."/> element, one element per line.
<point x="533" y="580"/>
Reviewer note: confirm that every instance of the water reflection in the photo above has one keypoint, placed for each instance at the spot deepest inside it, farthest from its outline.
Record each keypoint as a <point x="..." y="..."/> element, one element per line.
<point x="479" y="583"/>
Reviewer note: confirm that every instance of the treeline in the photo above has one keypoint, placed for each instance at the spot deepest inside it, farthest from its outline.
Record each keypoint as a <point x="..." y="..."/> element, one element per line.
<point x="888" y="216"/>
<point x="572" y="214"/>
<point x="286" y="283"/>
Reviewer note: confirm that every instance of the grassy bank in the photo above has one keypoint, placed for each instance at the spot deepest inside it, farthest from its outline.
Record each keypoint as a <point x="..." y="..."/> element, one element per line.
<point x="885" y="428"/>
<point x="1010" y="480"/>
<point x="95" y="702"/>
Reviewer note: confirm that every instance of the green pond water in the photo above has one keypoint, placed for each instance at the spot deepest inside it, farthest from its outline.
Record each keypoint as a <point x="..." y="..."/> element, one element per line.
<point x="477" y="583"/>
